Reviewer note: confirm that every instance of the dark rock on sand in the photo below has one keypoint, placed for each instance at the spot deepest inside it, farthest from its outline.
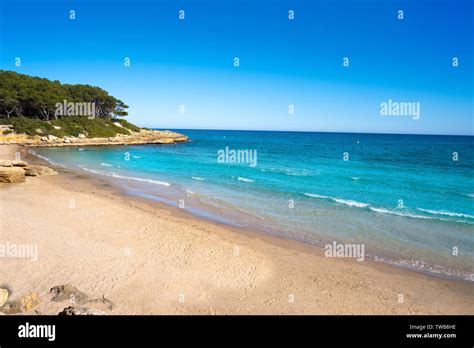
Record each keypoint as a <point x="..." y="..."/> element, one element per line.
<point x="67" y="292"/>
<point x="67" y="311"/>
<point x="101" y="303"/>
<point x="81" y="311"/>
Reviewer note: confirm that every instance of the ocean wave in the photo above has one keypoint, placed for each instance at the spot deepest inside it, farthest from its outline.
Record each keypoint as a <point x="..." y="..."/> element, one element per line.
<point x="197" y="178"/>
<point x="348" y="202"/>
<point x="422" y="266"/>
<point x="416" y="216"/>
<point x="91" y="170"/>
<point x="299" y="173"/>
<point x="470" y="195"/>
<point x="106" y="165"/>
<point x="157" y="182"/>
<point x="45" y="158"/>
<point x="402" y="213"/>
<point x="399" y="213"/>
<point x="446" y="213"/>
<point x="245" y="179"/>
<point x="80" y="149"/>
<point x="290" y="172"/>
<point x="315" y="195"/>
<point x="114" y="175"/>
<point x="355" y="178"/>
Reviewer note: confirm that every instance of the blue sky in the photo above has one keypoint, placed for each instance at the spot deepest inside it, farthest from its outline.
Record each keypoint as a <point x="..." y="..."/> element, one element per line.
<point x="282" y="62"/>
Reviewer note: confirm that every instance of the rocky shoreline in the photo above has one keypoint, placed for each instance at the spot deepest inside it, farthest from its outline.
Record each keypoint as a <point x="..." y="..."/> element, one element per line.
<point x="145" y="136"/>
<point x="77" y="302"/>
<point x="16" y="171"/>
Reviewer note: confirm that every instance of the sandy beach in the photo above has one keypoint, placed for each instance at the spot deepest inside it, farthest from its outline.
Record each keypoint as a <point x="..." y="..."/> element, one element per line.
<point x="148" y="258"/>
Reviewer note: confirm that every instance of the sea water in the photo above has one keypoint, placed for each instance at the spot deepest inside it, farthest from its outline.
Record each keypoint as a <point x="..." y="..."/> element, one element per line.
<point x="408" y="198"/>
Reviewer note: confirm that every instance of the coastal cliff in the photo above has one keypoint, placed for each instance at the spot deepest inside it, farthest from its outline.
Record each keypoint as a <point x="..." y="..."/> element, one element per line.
<point x="144" y="136"/>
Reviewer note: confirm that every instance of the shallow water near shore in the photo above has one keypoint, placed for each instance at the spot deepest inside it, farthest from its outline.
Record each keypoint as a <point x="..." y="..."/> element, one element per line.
<point x="402" y="196"/>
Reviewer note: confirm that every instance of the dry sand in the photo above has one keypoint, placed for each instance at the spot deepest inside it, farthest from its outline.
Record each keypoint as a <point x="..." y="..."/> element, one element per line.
<point x="148" y="258"/>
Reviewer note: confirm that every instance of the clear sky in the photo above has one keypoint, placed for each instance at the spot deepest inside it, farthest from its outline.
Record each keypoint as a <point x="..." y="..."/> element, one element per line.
<point x="300" y="62"/>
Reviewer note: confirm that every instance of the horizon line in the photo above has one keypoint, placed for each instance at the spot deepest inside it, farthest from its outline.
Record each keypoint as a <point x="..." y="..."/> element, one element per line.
<point x="300" y="131"/>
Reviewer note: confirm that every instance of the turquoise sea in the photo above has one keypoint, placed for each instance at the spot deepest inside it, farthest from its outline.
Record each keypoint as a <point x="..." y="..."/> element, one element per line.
<point x="408" y="198"/>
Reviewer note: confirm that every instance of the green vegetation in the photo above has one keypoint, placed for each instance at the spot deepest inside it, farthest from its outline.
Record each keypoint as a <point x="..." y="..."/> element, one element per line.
<point x="38" y="106"/>
<point x="4" y="121"/>
<point x="31" y="126"/>
<point x="92" y="128"/>
<point x="128" y="125"/>
<point x="68" y="126"/>
<point x="29" y="96"/>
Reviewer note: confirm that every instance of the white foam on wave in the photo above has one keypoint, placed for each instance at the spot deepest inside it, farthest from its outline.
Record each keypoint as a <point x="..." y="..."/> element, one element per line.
<point x="355" y="178"/>
<point x="398" y="213"/>
<point x="470" y="195"/>
<point x="415" y="216"/>
<point x="299" y="173"/>
<point x="106" y="165"/>
<point x="315" y="195"/>
<point x="446" y="213"/>
<point x="43" y="158"/>
<point x="351" y="202"/>
<point x="46" y="159"/>
<point x="157" y="182"/>
<point x="288" y="171"/>
<point x="91" y="170"/>
<point x="197" y="178"/>
<point x="114" y="175"/>
<point x="428" y="268"/>
<point x="348" y="202"/>
<point x="408" y="214"/>
<point x="245" y="179"/>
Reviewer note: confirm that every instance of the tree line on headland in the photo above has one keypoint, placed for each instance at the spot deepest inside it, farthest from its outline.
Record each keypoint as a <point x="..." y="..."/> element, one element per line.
<point x="35" y="97"/>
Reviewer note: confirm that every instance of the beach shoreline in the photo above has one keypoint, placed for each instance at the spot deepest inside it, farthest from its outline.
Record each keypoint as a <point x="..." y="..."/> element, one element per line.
<point x="150" y="258"/>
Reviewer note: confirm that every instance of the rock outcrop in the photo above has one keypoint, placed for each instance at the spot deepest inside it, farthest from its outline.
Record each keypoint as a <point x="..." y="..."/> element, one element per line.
<point x="35" y="170"/>
<point x="67" y="311"/>
<point x="3" y="296"/>
<point x="67" y="292"/>
<point x="22" y="305"/>
<point x="30" y="301"/>
<point x="6" y="163"/>
<point x="19" y="163"/>
<point x="144" y="136"/>
<point x="81" y="305"/>
<point x="12" y="174"/>
<point x="15" y="171"/>
<point x="81" y="311"/>
<point x="78" y="303"/>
